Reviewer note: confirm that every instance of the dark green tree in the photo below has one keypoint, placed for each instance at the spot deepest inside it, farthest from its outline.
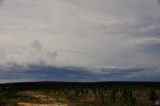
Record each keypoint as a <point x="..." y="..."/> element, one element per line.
<point x="152" y="94"/>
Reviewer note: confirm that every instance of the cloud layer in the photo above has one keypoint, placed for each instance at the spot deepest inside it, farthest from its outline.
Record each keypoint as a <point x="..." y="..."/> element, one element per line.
<point x="80" y="74"/>
<point x="93" y="34"/>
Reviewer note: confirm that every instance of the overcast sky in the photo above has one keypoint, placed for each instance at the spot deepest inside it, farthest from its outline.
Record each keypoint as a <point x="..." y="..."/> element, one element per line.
<point x="79" y="40"/>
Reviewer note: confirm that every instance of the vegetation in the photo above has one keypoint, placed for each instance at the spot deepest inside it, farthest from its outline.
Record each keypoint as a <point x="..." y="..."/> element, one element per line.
<point x="80" y="94"/>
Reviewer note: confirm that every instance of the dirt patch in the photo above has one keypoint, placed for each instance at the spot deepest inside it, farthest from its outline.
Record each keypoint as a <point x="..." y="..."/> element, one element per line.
<point x="44" y="100"/>
<point x="38" y="95"/>
<point x="31" y="104"/>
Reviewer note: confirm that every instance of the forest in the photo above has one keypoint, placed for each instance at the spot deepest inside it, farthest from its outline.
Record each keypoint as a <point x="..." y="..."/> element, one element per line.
<point x="79" y="94"/>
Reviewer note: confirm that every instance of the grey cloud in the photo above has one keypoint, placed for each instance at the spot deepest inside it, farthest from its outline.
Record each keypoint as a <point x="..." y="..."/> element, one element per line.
<point x="36" y="45"/>
<point x="158" y="2"/>
<point x="149" y="30"/>
<point x="52" y="55"/>
<point x="152" y="48"/>
<point x="132" y="28"/>
<point x="1" y="1"/>
<point x="86" y="33"/>
<point x="2" y="54"/>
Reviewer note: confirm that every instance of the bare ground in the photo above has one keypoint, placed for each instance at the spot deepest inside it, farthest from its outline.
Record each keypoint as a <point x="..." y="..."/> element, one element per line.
<point x="42" y="98"/>
<point x="32" y="104"/>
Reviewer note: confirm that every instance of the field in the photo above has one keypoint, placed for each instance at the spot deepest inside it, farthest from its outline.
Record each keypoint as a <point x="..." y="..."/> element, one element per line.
<point x="79" y="94"/>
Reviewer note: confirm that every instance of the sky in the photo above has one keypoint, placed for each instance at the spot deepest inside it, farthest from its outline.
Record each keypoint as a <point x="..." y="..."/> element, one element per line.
<point x="79" y="40"/>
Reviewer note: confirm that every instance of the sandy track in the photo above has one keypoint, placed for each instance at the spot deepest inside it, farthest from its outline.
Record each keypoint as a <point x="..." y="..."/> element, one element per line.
<point x="31" y="104"/>
<point x="42" y="97"/>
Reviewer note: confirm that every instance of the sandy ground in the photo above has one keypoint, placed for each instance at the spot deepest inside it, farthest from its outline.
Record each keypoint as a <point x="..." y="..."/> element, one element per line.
<point x="31" y="104"/>
<point x="50" y="100"/>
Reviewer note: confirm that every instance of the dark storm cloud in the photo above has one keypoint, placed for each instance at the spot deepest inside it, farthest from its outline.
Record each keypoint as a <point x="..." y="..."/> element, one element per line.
<point x="122" y="71"/>
<point x="42" y="72"/>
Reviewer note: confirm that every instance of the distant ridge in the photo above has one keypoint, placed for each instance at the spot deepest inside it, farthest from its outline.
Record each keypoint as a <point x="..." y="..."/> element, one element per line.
<point x="44" y="83"/>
